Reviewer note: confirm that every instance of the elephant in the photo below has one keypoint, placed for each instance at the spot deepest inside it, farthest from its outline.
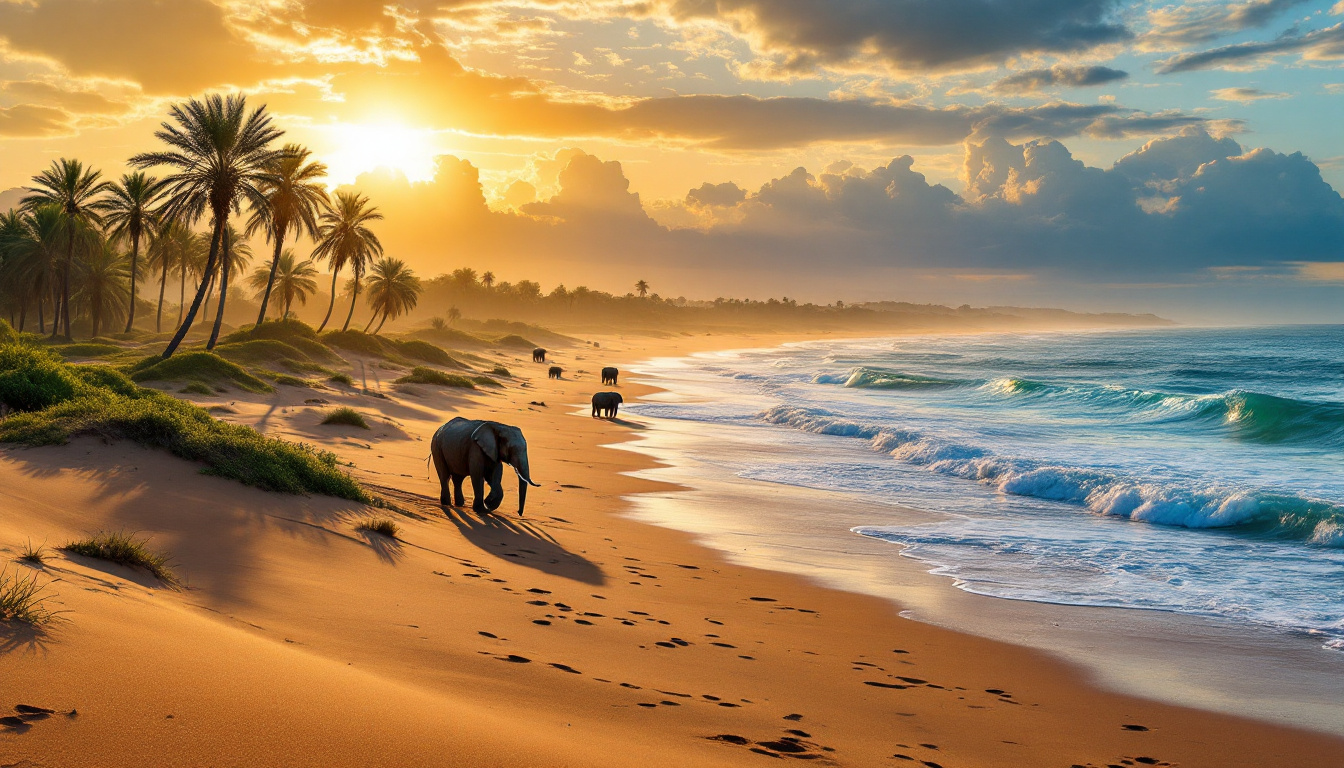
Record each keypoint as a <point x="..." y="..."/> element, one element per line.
<point x="555" y="372"/>
<point x="605" y="404"/>
<point x="479" y="449"/>
<point x="609" y="375"/>
<point x="538" y="355"/>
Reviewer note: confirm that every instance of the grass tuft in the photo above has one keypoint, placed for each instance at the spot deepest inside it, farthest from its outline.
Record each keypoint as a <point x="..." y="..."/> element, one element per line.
<point x="422" y="375"/>
<point x="347" y="417"/>
<point x="22" y="599"/>
<point x="98" y="400"/>
<point x="197" y="388"/>
<point x="7" y="333"/>
<point x="196" y="366"/>
<point x="383" y="525"/>
<point x="33" y="555"/>
<point x="342" y="378"/>
<point x="500" y="370"/>
<point x="125" y="549"/>
<point x="485" y="381"/>
<point x="423" y="350"/>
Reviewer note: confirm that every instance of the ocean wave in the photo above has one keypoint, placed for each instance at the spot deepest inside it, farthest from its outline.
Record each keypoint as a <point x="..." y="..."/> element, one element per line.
<point x="864" y="377"/>
<point x="1101" y="492"/>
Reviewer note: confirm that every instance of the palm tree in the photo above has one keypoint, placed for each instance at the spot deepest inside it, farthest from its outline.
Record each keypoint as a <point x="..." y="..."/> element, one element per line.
<point x="169" y="247"/>
<point x="293" y="200"/>
<point x="236" y="253"/>
<point x="74" y="189"/>
<point x="642" y="288"/>
<point x="394" y="290"/>
<point x="454" y="314"/>
<point x="129" y="212"/>
<point x="102" y="280"/>
<point x="34" y="248"/>
<point x="345" y="238"/>
<point x="220" y="153"/>
<point x="193" y="265"/>
<point x="292" y="279"/>
<point x="488" y="279"/>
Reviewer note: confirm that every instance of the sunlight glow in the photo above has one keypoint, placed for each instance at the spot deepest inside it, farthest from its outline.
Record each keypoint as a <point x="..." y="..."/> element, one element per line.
<point x="363" y="147"/>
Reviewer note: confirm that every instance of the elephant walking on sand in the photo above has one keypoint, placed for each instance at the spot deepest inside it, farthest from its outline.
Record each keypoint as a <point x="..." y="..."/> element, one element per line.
<point x="538" y="355"/>
<point x="606" y="404"/>
<point x="470" y="448"/>
<point x="555" y="372"/>
<point x="609" y="375"/>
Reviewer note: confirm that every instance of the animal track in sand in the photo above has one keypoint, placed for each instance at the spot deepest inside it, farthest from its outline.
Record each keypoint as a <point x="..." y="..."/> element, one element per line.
<point x="566" y="668"/>
<point x="1132" y="727"/>
<point x="877" y="684"/>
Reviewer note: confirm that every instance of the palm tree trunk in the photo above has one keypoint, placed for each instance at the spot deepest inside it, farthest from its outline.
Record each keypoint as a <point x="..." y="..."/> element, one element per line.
<point x="372" y="317"/>
<point x="23" y="316"/>
<point x="182" y="293"/>
<point x="210" y="291"/>
<point x="288" y="301"/>
<point x="63" y="304"/>
<point x="353" y="300"/>
<point x="135" y="259"/>
<point x="163" y="286"/>
<point x="223" y="293"/>
<point x="380" y="325"/>
<point x="96" y="310"/>
<point x="200" y="292"/>
<point x="332" y="305"/>
<point x="41" y="322"/>
<point x="275" y="264"/>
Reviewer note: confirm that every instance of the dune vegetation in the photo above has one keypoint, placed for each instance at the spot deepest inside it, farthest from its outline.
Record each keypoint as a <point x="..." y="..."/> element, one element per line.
<point x="346" y="417"/>
<point x="422" y="375"/>
<point x="23" y="599"/>
<point x="129" y="550"/>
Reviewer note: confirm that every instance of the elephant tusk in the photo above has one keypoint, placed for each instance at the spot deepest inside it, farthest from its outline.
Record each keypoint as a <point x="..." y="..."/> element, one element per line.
<point x="527" y="480"/>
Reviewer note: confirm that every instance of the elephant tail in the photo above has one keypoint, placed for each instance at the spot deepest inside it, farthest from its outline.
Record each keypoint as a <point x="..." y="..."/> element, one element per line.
<point x="428" y="459"/>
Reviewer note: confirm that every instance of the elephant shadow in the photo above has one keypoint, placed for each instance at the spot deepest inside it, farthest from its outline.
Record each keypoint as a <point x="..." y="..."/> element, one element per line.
<point x="524" y="543"/>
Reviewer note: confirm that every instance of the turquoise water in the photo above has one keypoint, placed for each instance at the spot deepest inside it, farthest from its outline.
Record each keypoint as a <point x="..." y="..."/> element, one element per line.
<point x="1199" y="471"/>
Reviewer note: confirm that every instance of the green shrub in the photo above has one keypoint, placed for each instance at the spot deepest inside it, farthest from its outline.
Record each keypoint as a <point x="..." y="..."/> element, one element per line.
<point x="346" y="416"/>
<point x="88" y="349"/>
<point x="358" y="341"/>
<point x="500" y="370"/>
<point x="196" y="388"/>
<point x="514" y="340"/>
<point x="286" y="380"/>
<point x="422" y="375"/>
<point x="7" y="333"/>
<point x="33" y="555"/>
<point x="196" y="366"/>
<point x="21" y="599"/>
<point x="125" y="549"/>
<point x="284" y="330"/>
<point x="259" y="351"/>
<point x="384" y="525"/>
<point x="423" y="350"/>
<point x="342" y="378"/>
<point x="95" y="399"/>
<point x="486" y="381"/>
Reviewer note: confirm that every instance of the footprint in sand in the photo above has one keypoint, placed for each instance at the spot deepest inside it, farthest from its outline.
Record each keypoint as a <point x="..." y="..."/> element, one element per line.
<point x="877" y="684"/>
<point x="795" y="717"/>
<point x="490" y="635"/>
<point x="566" y="668"/>
<point x="763" y="599"/>
<point x="1135" y="727"/>
<point x="516" y="659"/>
<point x="541" y="622"/>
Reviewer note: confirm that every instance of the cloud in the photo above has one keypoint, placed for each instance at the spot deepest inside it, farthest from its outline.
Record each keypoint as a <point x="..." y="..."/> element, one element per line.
<point x="1246" y="95"/>
<point x="708" y="194"/>
<point x="1176" y="26"/>
<point x="912" y="35"/>
<point x="1317" y="45"/>
<point x="33" y="121"/>
<point x="1033" y="80"/>
<point x="73" y="100"/>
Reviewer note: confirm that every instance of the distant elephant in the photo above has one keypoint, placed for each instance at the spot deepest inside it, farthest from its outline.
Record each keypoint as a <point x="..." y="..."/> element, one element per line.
<point x="555" y="372"/>
<point x="479" y="450"/>
<point x="538" y="355"/>
<point x="609" y="375"/>
<point x="605" y="404"/>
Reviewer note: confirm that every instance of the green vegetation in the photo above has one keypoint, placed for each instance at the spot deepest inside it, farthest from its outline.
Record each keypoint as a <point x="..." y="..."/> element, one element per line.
<point x="421" y="350"/>
<point x="500" y="370"/>
<point x="515" y="341"/>
<point x="88" y="349"/>
<point x="196" y="388"/>
<point x="486" y="381"/>
<point x="21" y="599"/>
<point x="422" y="375"/>
<point x="298" y="335"/>
<point x="57" y="400"/>
<point x="204" y="367"/>
<point x="346" y="416"/>
<point x="33" y="555"/>
<point x="7" y="333"/>
<point x="384" y="525"/>
<point x="363" y="343"/>
<point x="341" y="378"/>
<point x="125" y="549"/>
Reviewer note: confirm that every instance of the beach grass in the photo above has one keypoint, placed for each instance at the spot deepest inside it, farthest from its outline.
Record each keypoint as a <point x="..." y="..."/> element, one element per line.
<point x="23" y="599"/>
<point x="205" y="367"/>
<point x="33" y="555"/>
<point x="383" y="525"/>
<point x="347" y="417"/>
<point x="126" y="549"/>
<point x="423" y="375"/>
<point x="196" y="388"/>
<point x="57" y="400"/>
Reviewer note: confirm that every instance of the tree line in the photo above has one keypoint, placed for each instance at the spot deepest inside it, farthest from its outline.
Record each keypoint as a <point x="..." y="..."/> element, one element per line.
<point x="77" y="243"/>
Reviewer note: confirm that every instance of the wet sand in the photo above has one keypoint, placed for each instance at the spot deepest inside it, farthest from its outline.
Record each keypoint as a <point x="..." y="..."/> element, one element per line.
<point x="573" y="636"/>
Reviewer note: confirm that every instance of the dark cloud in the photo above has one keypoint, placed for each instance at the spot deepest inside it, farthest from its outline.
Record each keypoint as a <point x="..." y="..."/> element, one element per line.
<point x="31" y="121"/>
<point x="1033" y="80"/>
<point x="1201" y="22"/>
<point x="1320" y="44"/>
<point x="923" y="35"/>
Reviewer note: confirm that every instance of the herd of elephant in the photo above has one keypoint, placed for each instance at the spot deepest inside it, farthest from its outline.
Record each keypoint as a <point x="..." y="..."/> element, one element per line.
<point x="605" y="404"/>
<point x="477" y="450"/>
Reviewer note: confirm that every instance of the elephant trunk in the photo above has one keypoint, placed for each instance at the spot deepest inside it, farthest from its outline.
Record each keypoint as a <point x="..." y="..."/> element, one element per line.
<point x="524" y="479"/>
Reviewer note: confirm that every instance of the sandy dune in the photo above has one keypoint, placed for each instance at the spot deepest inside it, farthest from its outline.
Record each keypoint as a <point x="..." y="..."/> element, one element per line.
<point x="570" y="637"/>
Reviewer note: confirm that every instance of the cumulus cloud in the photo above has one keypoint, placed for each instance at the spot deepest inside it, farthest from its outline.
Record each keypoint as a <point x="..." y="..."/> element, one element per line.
<point x="31" y="121"/>
<point x="1193" y="23"/>
<point x="1033" y="80"/>
<point x="1247" y="95"/>
<point x="911" y="35"/>
<point x="1317" y="45"/>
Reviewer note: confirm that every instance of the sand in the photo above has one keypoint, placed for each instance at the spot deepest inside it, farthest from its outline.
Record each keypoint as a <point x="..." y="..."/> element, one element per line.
<point x="573" y="636"/>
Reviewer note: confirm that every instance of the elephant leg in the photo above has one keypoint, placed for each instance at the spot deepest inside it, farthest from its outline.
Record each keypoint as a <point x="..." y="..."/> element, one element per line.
<point x="443" y="476"/>
<point x="478" y="492"/>
<point x="458" y="499"/>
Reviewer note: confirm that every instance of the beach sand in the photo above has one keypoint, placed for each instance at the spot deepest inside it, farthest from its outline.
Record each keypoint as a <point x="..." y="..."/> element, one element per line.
<point x="573" y="636"/>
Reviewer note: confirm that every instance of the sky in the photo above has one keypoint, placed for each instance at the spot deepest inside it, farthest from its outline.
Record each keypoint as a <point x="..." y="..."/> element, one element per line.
<point x="1178" y="158"/>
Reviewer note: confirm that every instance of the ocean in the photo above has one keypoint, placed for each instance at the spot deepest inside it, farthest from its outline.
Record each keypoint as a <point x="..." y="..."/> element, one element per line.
<point x="1197" y="471"/>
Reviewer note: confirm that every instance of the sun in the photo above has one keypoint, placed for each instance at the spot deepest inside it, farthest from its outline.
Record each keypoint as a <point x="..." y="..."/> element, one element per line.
<point x="361" y="147"/>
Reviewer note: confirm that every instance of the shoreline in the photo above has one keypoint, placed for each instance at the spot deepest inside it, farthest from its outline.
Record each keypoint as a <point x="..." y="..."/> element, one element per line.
<point x="432" y="649"/>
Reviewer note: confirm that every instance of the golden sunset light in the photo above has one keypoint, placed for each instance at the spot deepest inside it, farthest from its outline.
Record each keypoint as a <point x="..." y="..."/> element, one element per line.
<point x="671" y="383"/>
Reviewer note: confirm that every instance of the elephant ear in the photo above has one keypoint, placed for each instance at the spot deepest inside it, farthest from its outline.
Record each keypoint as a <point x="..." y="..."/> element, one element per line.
<point x="486" y="439"/>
